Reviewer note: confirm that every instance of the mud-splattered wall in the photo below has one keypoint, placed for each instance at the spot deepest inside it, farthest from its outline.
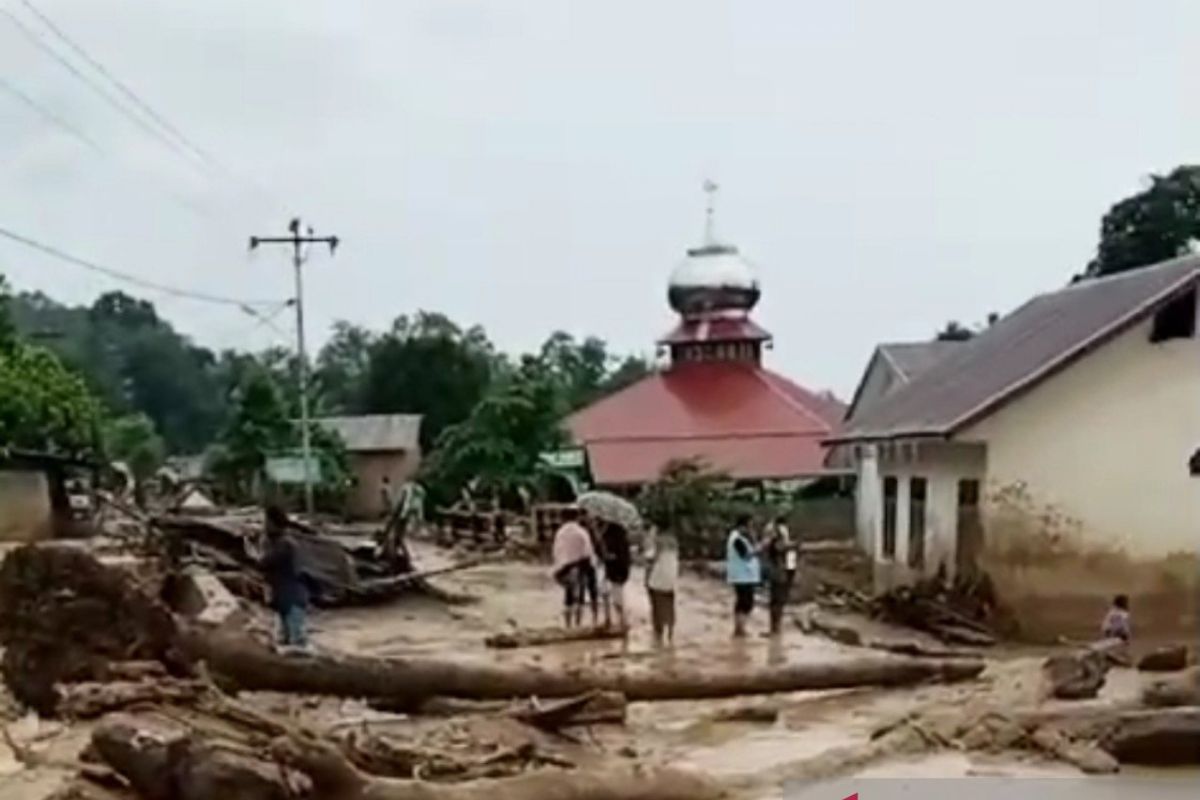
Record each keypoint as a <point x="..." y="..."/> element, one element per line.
<point x="1058" y="581"/>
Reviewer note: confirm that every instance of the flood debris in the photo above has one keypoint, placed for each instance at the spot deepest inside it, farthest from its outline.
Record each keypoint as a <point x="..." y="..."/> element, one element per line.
<point x="340" y="570"/>
<point x="1081" y="673"/>
<point x="1182" y="689"/>
<point x="164" y="763"/>
<point x="1168" y="658"/>
<point x="539" y="637"/>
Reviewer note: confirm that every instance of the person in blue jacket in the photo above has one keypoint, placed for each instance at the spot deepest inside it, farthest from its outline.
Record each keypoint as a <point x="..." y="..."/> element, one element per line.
<point x="743" y="572"/>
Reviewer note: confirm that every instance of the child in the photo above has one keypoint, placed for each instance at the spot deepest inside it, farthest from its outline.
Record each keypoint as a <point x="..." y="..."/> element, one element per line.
<point x="1117" y="624"/>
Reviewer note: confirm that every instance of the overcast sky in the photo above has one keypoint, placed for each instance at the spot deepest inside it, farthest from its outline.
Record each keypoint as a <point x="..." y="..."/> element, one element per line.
<point x="533" y="165"/>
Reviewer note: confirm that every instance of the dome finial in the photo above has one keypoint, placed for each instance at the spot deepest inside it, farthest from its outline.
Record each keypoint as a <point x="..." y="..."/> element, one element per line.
<point x="710" y="190"/>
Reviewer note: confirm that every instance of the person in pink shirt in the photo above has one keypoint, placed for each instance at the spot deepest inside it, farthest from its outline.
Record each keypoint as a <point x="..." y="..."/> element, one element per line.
<point x="574" y="568"/>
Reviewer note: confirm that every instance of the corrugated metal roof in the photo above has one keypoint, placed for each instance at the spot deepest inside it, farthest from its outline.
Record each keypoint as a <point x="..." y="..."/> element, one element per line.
<point x="911" y="359"/>
<point x="903" y="361"/>
<point x="376" y="432"/>
<point x="740" y="417"/>
<point x="1018" y="351"/>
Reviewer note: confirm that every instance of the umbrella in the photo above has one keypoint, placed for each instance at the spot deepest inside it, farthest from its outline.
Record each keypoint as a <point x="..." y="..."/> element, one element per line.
<point x="609" y="507"/>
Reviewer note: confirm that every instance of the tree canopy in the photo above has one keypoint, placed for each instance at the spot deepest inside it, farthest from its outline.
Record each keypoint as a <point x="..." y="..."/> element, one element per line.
<point x="44" y="406"/>
<point x="1153" y="225"/>
<point x="497" y="449"/>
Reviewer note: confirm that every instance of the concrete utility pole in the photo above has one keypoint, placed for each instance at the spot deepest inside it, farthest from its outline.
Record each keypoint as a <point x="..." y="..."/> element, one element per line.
<point x="302" y="236"/>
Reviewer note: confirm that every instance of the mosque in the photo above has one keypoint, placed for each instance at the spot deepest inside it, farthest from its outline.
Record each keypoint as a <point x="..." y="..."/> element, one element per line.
<point x="714" y="400"/>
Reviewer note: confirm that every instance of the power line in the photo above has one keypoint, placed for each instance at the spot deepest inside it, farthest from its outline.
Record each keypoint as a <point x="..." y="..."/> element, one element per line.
<point x="37" y="41"/>
<point x="245" y="305"/>
<point x="50" y="116"/>
<point x="88" y="141"/>
<point x="141" y="104"/>
<point x="120" y="85"/>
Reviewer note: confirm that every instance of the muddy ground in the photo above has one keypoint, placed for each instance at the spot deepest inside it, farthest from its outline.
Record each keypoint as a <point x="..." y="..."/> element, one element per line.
<point x="812" y="734"/>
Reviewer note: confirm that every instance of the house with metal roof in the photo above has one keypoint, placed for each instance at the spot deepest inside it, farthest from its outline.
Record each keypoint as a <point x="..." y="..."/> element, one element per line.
<point x="714" y="401"/>
<point x="1066" y="426"/>
<point x="378" y="446"/>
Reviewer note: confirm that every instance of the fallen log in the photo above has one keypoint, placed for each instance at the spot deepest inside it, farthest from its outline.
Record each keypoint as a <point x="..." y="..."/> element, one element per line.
<point x="848" y="634"/>
<point x="168" y="766"/>
<point x="538" y="637"/>
<point x="160" y="767"/>
<point x="1156" y="738"/>
<point x="252" y="666"/>
<point x="1178" y="690"/>
<point x="93" y="699"/>
<point x="333" y="776"/>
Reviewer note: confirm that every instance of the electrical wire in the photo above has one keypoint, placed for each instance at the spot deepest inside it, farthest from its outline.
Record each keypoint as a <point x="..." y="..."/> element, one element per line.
<point x="77" y="133"/>
<point x="50" y="250"/>
<point x="32" y="37"/>
<point x="50" y="116"/>
<point x="121" y="86"/>
<point x="144" y="106"/>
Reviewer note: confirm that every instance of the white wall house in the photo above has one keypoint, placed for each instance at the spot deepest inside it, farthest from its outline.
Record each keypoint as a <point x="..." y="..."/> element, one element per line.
<point x="1051" y="450"/>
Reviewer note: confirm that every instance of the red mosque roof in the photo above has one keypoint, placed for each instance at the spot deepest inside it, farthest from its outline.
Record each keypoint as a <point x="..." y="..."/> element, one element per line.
<point x="740" y="418"/>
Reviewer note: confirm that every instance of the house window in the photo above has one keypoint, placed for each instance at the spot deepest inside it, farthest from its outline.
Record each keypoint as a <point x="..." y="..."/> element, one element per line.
<point x="1176" y="320"/>
<point x="917" y="490"/>
<point x="889" y="518"/>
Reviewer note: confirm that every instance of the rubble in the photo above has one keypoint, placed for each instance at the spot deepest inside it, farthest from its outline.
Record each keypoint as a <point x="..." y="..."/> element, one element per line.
<point x="1169" y="658"/>
<point x="1080" y="674"/>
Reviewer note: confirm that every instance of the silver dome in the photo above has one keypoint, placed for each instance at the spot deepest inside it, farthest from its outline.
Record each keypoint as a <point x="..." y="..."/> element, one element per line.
<point x="713" y="278"/>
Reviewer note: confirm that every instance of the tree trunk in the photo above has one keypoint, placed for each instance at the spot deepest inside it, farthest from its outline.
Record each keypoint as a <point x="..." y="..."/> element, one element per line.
<point x="537" y="637"/>
<point x="1169" y="737"/>
<point x="252" y="666"/>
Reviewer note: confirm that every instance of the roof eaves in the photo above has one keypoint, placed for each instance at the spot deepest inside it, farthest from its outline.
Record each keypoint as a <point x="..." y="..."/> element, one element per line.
<point x="1001" y="398"/>
<point x="862" y="382"/>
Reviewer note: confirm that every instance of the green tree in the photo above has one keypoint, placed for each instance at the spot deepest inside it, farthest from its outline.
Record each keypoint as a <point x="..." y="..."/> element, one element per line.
<point x="585" y="371"/>
<point x="497" y="449"/>
<point x="134" y="362"/>
<point x="44" y="406"/>
<point x="1153" y="225"/>
<point x="342" y="368"/>
<point x="954" y="331"/>
<point x="259" y="426"/>
<point x="428" y="365"/>
<point x="695" y="503"/>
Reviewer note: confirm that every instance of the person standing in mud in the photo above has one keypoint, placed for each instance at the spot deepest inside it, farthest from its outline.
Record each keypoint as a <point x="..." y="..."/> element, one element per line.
<point x="280" y="565"/>
<point x="618" y="561"/>
<point x="574" y="570"/>
<point x="662" y="575"/>
<point x="743" y="573"/>
<point x="779" y="557"/>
